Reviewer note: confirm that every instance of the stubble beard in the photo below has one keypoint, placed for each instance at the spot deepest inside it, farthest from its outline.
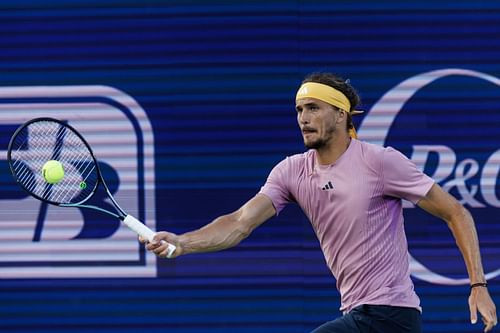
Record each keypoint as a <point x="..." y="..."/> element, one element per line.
<point x="316" y="144"/>
<point x="320" y="143"/>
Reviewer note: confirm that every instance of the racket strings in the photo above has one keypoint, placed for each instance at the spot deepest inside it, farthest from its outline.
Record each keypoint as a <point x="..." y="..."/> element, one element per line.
<point x="46" y="140"/>
<point x="26" y="140"/>
<point x="80" y="160"/>
<point x="40" y="147"/>
<point x="60" y="192"/>
<point x="22" y="147"/>
<point x="25" y="175"/>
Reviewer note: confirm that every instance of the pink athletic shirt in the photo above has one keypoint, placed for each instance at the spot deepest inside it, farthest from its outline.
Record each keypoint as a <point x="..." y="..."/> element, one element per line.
<point x="355" y="208"/>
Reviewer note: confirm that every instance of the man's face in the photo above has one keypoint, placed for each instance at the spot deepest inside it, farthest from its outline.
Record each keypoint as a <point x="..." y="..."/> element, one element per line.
<point x="317" y="121"/>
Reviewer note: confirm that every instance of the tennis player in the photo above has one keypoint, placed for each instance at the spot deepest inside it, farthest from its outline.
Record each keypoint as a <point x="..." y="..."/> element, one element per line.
<point x="352" y="193"/>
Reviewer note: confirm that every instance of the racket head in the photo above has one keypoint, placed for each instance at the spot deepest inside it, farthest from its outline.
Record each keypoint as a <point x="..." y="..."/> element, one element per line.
<point x="42" y="139"/>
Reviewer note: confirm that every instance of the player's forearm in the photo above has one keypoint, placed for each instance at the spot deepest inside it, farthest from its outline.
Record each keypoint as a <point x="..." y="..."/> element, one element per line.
<point x="464" y="231"/>
<point x="224" y="232"/>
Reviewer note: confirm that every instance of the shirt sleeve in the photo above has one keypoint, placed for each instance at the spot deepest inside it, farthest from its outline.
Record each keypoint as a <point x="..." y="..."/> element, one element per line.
<point x="402" y="179"/>
<point x="276" y="186"/>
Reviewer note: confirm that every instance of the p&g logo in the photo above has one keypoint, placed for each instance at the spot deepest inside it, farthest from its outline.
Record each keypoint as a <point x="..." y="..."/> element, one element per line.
<point x="450" y="172"/>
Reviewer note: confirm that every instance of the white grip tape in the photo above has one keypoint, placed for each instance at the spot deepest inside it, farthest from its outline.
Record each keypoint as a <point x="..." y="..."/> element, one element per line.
<point x="142" y="230"/>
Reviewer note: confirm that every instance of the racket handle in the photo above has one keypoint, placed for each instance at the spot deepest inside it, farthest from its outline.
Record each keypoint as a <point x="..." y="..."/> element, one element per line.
<point x="142" y="230"/>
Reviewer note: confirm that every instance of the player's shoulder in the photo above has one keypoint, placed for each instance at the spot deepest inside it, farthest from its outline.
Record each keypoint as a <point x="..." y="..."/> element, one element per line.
<point x="301" y="157"/>
<point x="370" y="150"/>
<point x="374" y="154"/>
<point x="298" y="162"/>
<point x="373" y="149"/>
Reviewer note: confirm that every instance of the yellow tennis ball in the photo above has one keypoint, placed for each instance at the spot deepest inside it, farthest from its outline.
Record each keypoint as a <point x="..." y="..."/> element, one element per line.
<point x="53" y="171"/>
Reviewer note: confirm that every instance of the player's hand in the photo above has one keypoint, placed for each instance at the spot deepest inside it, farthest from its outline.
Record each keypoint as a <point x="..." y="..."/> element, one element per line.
<point x="159" y="245"/>
<point x="480" y="300"/>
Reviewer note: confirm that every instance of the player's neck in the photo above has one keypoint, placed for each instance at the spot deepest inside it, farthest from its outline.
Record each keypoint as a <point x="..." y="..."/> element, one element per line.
<point x="330" y="153"/>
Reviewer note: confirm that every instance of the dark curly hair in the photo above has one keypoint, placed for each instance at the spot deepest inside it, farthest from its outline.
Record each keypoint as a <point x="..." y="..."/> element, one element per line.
<point x="341" y="85"/>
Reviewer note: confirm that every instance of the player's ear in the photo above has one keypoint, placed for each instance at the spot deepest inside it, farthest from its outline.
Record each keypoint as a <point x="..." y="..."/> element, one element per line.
<point x="341" y="115"/>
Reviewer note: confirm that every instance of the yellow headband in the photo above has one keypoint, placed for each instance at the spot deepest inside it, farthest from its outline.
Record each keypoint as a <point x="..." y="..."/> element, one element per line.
<point x="326" y="94"/>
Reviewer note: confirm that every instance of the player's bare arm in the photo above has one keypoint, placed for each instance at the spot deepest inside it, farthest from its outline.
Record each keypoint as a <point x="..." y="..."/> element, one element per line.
<point x="441" y="204"/>
<point x="224" y="232"/>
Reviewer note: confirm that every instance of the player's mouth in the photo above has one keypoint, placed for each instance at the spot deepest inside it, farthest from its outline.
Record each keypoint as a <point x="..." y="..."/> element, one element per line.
<point x="308" y="130"/>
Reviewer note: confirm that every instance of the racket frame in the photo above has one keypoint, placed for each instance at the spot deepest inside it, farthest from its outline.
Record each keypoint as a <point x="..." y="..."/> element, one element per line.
<point x="136" y="225"/>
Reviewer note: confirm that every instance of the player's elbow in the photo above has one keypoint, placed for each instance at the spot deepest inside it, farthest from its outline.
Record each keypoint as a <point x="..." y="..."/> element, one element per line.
<point x="244" y="227"/>
<point x="244" y="230"/>
<point x="460" y="210"/>
<point x="234" y="237"/>
<point x="458" y="214"/>
<point x="237" y="229"/>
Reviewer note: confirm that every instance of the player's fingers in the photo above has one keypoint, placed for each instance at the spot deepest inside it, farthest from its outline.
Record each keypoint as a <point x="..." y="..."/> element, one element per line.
<point x="162" y="244"/>
<point x="142" y="240"/>
<point x="159" y="249"/>
<point x="489" y="321"/>
<point x="152" y="246"/>
<point x="488" y="326"/>
<point x="164" y="253"/>
<point x="159" y="236"/>
<point x="473" y="310"/>
<point x="155" y="243"/>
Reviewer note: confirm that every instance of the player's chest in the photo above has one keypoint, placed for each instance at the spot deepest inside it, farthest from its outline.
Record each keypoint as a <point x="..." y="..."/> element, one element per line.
<point x="328" y="184"/>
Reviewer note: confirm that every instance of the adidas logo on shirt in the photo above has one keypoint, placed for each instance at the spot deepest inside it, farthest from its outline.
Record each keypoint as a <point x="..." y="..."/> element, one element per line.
<point x="328" y="186"/>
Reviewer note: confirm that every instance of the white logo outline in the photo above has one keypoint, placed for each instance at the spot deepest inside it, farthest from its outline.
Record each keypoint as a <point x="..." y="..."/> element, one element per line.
<point x="375" y="128"/>
<point x="14" y="113"/>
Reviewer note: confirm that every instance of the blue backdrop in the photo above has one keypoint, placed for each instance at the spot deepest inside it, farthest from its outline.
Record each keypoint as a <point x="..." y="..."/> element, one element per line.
<point x="217" y="82"/>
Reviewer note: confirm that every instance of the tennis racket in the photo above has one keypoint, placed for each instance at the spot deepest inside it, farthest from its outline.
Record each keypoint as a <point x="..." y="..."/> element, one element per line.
<point x="44" y="139"/>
